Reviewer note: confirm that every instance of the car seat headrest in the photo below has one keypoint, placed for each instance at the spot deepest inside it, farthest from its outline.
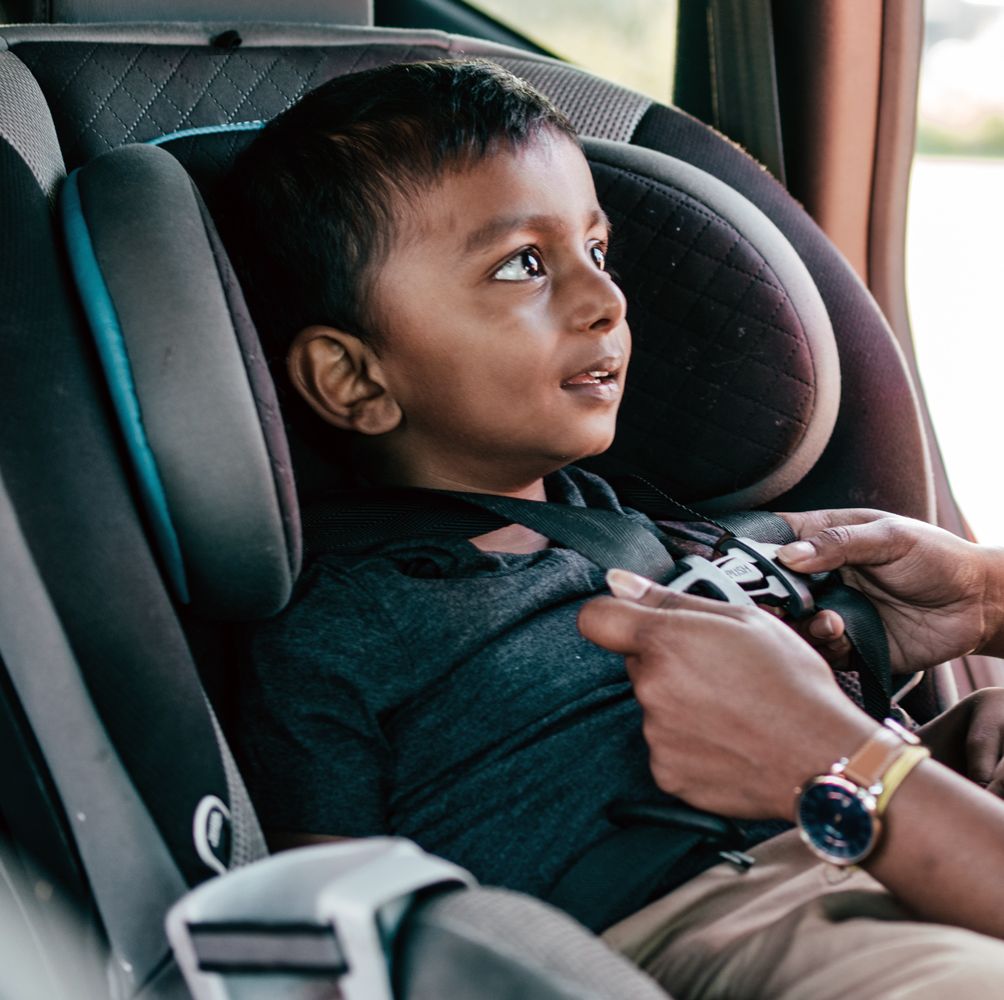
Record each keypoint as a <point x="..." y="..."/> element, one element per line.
<point x="734" y="384"/>
<point x="188" y="381"/>
<point x="732" y="395"/>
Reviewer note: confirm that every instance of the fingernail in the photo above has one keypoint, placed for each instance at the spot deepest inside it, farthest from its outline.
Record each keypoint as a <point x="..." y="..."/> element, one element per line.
<point x="628" y="585"/>
<point x="796" y="552"/>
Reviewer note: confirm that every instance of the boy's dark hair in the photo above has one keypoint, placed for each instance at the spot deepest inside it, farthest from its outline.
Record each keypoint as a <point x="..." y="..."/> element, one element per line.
<point x="313" y="204"/>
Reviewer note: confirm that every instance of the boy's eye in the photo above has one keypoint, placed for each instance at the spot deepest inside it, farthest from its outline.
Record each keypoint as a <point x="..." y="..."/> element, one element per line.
<point x="599" y="256"/>
<point x="521" y="267"/>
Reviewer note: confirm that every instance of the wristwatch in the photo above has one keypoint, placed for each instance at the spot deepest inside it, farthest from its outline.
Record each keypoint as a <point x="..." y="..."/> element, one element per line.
<point x="839" y="814"/>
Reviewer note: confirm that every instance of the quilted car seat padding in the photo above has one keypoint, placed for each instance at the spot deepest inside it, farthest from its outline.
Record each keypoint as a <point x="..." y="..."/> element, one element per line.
<point x="734" y="387"/>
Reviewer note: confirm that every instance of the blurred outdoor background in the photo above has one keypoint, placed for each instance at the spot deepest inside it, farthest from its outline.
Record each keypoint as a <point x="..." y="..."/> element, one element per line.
<point x="955" y="238"/>
<point x="955" y="250"/>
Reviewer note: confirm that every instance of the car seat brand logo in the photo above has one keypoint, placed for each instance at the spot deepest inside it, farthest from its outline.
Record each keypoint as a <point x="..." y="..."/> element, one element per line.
<point x="211" y="833"/>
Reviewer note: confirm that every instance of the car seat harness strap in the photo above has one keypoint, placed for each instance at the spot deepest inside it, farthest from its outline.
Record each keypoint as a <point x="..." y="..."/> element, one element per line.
<point x="744" y="571"/>
<point x="654" y="846"/>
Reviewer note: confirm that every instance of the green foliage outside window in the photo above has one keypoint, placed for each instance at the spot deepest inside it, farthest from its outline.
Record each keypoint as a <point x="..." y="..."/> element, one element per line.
<point x="631" y="42"/>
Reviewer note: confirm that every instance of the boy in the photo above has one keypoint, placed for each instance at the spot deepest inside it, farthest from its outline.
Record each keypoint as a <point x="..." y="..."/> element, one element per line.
<point x="437" y="287"/>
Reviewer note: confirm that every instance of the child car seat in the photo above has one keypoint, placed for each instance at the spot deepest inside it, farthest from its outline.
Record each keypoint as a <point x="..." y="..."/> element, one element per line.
<point x="73" y="502"/>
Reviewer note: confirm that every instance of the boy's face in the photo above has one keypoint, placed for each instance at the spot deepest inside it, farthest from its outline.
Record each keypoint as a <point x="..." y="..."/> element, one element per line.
<point x="504" y="342"/>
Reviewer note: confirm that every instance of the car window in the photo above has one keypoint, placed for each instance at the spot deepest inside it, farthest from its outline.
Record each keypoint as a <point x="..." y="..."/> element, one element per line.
<point x="954" y="249"/>
<point x="632" y="42"/>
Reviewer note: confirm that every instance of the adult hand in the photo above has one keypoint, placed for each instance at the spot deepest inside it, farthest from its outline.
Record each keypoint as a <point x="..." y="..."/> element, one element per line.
<point x="969" y="738"/>
<point x="939" y="596"/>
<point x="738" y="710"/>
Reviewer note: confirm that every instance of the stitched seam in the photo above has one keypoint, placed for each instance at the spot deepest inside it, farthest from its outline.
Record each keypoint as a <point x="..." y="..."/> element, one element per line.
<point x="679" y="196"/>
<point x="263" y="77"/>
<point x="753" y="279"/>
<point x="693" y="206"/>
<point x="205" y="90"/>
<point x="107" y="100"/>
<point x="83" y="62"/>
<point x="308" y="78"/>
<point x="670" y="277"/>
<point x="158" y="91"/>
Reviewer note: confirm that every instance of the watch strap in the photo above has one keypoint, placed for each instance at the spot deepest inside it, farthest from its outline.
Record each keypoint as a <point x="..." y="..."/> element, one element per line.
<point x="871" y="761"/>
<point x="898" y="770"/>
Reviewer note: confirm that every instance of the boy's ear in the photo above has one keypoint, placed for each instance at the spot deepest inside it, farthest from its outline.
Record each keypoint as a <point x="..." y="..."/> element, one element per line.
<point x="340" y="378"/>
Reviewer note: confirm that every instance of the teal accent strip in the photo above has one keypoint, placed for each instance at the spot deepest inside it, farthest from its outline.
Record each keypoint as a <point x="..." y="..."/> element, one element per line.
<point x="111" y="346"/>
<point x="185" y="133"/>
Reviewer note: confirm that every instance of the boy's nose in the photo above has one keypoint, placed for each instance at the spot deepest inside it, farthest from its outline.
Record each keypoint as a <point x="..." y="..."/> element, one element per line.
<point x="599" y="306"/>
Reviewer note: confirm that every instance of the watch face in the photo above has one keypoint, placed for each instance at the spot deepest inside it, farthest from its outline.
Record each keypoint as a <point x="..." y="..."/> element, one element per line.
<point x="837" y="820"/>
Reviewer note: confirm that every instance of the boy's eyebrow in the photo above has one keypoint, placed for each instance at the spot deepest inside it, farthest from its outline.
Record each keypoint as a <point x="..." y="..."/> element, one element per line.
<point x="498" y="227"/>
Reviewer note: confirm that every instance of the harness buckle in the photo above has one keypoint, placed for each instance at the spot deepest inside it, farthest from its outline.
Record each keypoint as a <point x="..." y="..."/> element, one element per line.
<point x="748" y="572"/>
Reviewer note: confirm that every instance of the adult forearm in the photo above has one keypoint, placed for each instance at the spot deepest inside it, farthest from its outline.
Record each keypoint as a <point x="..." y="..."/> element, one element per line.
<point x="942" y="850"/>
<point x="993" y="601"/>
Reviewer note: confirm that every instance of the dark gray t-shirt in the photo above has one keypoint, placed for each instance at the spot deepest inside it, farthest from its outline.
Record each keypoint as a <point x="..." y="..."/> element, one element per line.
<point x="437" y="692"/>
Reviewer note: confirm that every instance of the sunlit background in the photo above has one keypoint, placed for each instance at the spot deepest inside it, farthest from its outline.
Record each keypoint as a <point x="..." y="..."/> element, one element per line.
<point x="955" y="250"/>
<point x="955" y="239"/>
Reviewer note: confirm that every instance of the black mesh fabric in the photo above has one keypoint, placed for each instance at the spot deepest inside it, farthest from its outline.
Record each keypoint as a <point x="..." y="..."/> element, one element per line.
<point x="877" y="454"/>
<point x="594" y="106"/>
<point x="721" y="381"/>
<point x="25" y="123"/>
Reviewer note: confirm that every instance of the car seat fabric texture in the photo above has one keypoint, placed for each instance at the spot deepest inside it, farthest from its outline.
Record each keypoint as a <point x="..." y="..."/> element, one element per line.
<point x="73" y="506"/>
<point x="736" y="388"/>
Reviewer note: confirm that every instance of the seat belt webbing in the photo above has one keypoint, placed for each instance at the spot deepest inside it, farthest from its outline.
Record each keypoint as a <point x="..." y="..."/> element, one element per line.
<point x="616" y="876"/>
<point x="367" y="517"/>
<point x="361" y="518"/>
<point x="743" y="78"/>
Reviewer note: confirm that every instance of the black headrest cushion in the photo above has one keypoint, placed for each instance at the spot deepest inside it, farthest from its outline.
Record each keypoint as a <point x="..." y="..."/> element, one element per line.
<point x="194" y="397"/>
<point x="734" y="384"/>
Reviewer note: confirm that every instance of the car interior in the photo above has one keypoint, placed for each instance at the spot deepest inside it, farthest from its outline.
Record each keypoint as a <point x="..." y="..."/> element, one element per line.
<point x="152" y="497"/>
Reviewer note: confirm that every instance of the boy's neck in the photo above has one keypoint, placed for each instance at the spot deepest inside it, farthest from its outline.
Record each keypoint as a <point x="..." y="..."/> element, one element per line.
<point x="391" y="468"/>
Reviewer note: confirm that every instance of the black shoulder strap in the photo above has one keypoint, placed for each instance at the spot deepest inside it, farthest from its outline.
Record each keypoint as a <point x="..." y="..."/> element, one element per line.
<point x="359" y="519"/>
<point x="362" y="518"/>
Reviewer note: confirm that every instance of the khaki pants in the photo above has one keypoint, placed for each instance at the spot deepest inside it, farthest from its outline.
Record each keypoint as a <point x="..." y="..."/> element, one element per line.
<point x="796" y="929"/>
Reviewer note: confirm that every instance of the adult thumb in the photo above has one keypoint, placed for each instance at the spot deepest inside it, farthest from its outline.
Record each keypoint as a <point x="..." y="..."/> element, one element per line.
<point x="874" y="543"/>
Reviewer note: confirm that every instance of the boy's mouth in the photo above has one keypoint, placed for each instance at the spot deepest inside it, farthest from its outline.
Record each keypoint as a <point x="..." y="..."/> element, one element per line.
<point x="590" y="378"/>
<point x="604" y="371"/>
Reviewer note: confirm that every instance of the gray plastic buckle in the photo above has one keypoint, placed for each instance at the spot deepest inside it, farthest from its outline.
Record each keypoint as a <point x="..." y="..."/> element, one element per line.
<point x="779" y="586"/>
<point x="747" y="573"/>
<point x="702" y="577"/>
<point x="287" y="923"/>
